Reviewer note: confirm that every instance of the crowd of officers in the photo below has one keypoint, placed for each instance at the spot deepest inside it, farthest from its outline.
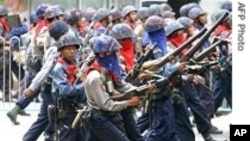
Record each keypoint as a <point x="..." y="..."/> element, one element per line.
<point x="110" y="42"/>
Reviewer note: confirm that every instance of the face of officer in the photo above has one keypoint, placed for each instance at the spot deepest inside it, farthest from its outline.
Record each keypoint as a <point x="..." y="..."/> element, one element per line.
<point x="190" y="30"/>
<point x="203" y="19"/>
<point x="82" y="22"/>
<point x="69" y="52"/>
<point x="133" y="16"/>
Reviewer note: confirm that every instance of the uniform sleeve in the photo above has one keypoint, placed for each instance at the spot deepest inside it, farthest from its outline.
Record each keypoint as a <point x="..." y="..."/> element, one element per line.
<point x="49" y="59"/>
<point x="18" y="31"/>
<point x="169" y="69"/>
<point x="61" y="84"/>
<point x="97" y="96"/>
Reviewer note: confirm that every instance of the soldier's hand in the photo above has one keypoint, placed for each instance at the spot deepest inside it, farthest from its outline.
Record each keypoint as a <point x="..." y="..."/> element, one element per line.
<point x="181" y="66"/>
<point x="144" y="76"/>
<point x="215" y="68"/>
<point x="199" y="79"/>
<point x="27" y="92"/>
<point x="134" y="101"/>
<point x="151" y="88"/>
<point x="190" y="77"/>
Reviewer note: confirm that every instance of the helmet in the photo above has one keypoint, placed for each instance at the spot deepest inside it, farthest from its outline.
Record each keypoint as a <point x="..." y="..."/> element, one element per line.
<point x="68" y="40"/>
<point x="143" y="12"/>
<point x="155" y="9"/>
<point x="59" y="10"/>
<point x="121" y="31"/>
<point x="219" y="13"/>
<point x="73" y="16"/>
<point x="58" y="28"/>
<point x="101" y="14"/>
<point x="185" y="21"/>
<point x="33" y="18"/>
<point x="195" y="12"/>
<point x="172" y="27"/>
<point x="104" y="43"/>
<point x="168" y="14"/>
<point x="3" y="11"/>
<point x="226" y="5"/>
<point x="40" y="10"/>
<point x="154" y="23"/>
<point x="185" y="8"/>
<point x="166" y="7"/>
<point x="89" y="13"/>
<point x="128" y="9"/>
<point x="116" y="14"/>
<point x="50" y="12"/>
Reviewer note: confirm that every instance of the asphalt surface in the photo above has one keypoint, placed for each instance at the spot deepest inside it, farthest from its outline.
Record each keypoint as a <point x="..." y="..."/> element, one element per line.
<point x="10" y="132"/>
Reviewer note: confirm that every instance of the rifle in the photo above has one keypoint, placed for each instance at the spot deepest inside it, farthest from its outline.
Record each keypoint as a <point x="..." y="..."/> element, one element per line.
<point x="166" y="58"/>
<point x="139" y="91"/>
<point x="83" y="113"/>
<point x="200" y="67"/>
<point x="108" y="28"/>
<point x="207" y="51"/>
<point x="86" y="63"/>
<point x="146" y="56"/>
<point x="89" y="34"/>
<point x="196" y="47"/>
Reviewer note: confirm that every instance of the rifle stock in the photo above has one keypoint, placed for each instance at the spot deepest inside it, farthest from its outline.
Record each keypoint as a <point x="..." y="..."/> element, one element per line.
<point x="139" y="91"/>
<point x="200" y="67"/>
<point x="177" y="51"/>
<point x="146" y="56"/>
<point x="207" y="51"/>
<point x="194" y="48"/>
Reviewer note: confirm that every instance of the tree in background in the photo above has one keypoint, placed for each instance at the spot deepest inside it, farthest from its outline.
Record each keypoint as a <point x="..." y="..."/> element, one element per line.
<point x="176" y="5"/>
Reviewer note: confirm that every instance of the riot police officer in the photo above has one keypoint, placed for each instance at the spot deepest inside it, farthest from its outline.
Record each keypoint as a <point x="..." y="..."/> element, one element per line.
<point x="102" y="81"/>
<point x="68" y="94"/>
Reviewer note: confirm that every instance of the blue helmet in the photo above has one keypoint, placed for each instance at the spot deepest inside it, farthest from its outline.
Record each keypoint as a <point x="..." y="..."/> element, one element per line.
<point x="40" y="10"/>
<point x="104" y="43"/>
<point x="154" y="23"/>
<point x="33" y="18"/>
<point x="101" y="14"/>
<point x="121" y="31"/>
<point x="73" y="16"/>
<point x="185" y="8"/>
<point x="59" y="10"/>
<point x="3" y="11"/>
<point x="195" y="12"/>
<point x="185" y="21"/>
<point x="226" y="5"/>
<point x="168" y="14"/>
<point x="172" y="27"/>
<point x="58" y="28"/>
<point x="155" y="9"/>
<point x="143" y="13"/>
<point x="50" y="12"/>
<point x="219" y="13"/>
<point x="116" y="14"/>
<point x="128" y="9"/>
<point x="166" y="7"/>
<point x="68" y="40"/>
<point x="89" y="13"/>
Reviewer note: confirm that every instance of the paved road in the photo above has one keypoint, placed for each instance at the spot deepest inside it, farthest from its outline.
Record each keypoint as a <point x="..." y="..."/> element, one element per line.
<point x="14" y="133"/>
